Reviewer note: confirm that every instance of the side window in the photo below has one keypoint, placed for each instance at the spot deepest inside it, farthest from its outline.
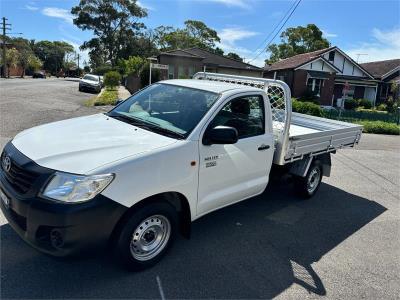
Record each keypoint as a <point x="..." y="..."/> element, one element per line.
<point x="246" y="114"/>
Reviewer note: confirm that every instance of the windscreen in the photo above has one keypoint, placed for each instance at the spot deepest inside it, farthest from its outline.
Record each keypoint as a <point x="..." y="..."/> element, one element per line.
<point x="174" y="108"/>
<point x="91" y="78"/>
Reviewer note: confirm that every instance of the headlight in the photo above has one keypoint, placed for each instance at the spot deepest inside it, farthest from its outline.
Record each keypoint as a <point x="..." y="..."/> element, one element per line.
<point x="76" y="188"/>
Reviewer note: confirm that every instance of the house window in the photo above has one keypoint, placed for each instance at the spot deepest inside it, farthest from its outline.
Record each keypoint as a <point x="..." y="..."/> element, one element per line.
<point x="171" y="71"/>
<point x="331" y="56"/>
<point x="314" y="85"/>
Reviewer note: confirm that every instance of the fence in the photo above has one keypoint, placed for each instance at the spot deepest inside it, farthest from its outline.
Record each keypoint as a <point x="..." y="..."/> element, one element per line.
<point x="349" y="115"/>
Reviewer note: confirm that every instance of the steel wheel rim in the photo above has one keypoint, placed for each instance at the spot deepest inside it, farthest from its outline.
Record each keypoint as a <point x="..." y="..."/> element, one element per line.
<point x="150" y="237"/>
<point x="313" y="180"/>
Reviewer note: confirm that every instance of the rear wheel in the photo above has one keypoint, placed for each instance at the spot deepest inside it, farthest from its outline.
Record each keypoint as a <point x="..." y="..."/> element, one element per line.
<point x="146" y="236"/>
<point x="307" y="186"/>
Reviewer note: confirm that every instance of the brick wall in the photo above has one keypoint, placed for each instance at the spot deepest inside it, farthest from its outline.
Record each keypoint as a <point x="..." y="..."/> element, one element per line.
<point x="299" y="83"/>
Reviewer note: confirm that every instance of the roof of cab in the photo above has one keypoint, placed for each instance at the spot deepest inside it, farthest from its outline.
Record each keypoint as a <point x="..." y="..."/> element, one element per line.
<point x="211" y="86"/>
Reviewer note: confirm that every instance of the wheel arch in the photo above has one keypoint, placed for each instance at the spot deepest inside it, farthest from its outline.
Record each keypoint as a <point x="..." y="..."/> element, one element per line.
<point x="176" y="199"/>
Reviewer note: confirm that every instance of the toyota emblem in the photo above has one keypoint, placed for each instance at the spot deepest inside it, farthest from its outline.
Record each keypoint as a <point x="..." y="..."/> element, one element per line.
<point x="6" y="163"/>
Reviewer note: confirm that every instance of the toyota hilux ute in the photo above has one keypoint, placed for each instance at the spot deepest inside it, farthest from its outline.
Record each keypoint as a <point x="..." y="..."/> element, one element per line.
<point x="135" y="177"/>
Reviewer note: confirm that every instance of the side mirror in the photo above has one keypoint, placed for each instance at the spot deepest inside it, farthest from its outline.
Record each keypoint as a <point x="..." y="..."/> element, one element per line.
<point x="220" y="135"/>
<point x="119" y="101"/>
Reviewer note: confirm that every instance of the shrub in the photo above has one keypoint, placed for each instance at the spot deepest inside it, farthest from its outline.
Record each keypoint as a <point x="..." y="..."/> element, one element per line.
<point x="307" y="108"/>
<point x="364" y="103"/>
<point x="382" y="107"/>
<point x="380" y="127"/>
<point x="350" y="104"/>
<point x="392" y="104"/>
<point x="112" y="79"/>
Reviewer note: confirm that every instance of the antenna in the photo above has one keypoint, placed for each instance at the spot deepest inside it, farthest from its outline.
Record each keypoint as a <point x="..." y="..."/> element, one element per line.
<point x="359" y="54"/>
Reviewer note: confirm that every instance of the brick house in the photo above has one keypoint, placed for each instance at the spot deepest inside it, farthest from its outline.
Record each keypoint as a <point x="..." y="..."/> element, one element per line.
<point x="324" y="72"/>
<point x="387" y="72"/>
<point x="183" y="63"/>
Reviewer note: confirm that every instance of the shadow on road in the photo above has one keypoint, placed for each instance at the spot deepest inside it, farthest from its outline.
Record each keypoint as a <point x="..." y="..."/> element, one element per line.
<point x="255" y="249"/>
<point x="71" y="79"/>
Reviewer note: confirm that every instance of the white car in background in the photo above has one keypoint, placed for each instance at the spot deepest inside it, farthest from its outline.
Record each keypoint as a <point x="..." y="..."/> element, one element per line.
<point x="90" y="82"/>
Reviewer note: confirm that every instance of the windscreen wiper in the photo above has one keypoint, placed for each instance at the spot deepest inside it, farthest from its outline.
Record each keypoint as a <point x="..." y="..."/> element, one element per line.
<point x="148" y="125"/>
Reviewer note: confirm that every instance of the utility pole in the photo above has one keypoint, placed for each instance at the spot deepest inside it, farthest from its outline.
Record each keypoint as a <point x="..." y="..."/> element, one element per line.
<point x="4" y="28"/>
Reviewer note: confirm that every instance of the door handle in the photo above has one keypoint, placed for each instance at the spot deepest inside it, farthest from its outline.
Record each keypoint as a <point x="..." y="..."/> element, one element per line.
<point x="263" y="147"/>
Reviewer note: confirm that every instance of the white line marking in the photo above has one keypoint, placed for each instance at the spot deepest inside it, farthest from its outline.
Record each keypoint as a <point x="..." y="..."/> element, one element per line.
<point x="160" y="288"/>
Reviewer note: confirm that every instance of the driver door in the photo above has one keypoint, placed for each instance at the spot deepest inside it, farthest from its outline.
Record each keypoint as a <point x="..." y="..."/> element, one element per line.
<point x="230" y="173"/>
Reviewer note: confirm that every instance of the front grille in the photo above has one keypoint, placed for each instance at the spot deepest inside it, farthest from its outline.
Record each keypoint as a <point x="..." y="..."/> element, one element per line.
<point x="21" y="180"/>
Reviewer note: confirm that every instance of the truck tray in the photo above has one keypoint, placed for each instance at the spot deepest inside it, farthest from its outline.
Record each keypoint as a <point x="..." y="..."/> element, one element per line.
<point x="311" y="135"/>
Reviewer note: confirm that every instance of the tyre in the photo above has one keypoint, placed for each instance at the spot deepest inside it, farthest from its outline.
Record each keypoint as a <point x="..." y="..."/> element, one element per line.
<point x="146" y="236"/>
<point x="307" y="186"/>
<point x="80" y="89"/>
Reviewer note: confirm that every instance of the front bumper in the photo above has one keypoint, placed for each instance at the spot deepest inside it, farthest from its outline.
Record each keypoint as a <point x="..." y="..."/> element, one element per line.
<point x="57" y="228"/>
<point x="89" y="87"/>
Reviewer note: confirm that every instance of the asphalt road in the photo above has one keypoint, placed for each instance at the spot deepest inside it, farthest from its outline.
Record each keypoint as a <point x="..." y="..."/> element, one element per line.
<point x="342" y="244"/>
<point x="29" y="102"/>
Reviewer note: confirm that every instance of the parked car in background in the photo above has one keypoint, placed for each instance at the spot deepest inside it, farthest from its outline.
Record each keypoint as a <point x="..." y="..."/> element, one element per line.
<point x="90" y="82"/>
<point x="39" y="74"/>
<point x="102" y="80"/>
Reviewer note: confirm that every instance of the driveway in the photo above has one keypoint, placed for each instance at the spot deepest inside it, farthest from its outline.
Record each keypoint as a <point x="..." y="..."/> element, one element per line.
<point x="342" y="244"/>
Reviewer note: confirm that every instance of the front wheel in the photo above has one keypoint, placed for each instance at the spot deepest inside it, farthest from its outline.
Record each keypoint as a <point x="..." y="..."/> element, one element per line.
<point x="146" y="236"/>
<point x="307" y="186"/>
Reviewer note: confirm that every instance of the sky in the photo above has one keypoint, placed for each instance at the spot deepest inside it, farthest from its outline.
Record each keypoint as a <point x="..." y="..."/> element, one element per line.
<point x="367" y="30"/>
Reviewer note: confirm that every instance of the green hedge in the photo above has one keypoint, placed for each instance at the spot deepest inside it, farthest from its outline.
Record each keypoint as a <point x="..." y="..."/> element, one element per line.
<point x="307" y="108"/>
<point x="107" y="97"/>
<point x="380" y="127"/>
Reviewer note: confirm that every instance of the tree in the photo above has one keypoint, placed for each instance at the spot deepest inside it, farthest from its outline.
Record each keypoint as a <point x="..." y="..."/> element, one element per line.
<point x="204" y="36"/>
<point x="234" y="56"/>
<point x="25" y="53"/>
<point x="35" y="63"/>
<point x="194" y="34"/>
<point x="12" y="59"/>
<point x="53" y="54"/>
<point x="113" y="22"/>
<point x="297" y="40"/>
<point x="132" y="66"/>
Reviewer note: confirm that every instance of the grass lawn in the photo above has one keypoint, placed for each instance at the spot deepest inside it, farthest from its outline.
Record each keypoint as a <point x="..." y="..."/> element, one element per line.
<point x="107" y="97"/>
<point x="379" y="127"/>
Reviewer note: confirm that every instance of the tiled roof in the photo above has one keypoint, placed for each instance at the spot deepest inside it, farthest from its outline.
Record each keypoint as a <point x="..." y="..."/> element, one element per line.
<point x="212" y="58"/>
<point x="180" y="52"/>
<point x="296" y="61"/>
<point x="380" y="68"/>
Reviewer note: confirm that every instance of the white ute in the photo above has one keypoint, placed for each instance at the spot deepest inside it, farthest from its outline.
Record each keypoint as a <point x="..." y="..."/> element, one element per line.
<point x="171" y="153"/>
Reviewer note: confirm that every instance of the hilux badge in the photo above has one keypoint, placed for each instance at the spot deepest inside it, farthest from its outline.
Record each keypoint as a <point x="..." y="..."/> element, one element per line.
<point x="6" y="163"/>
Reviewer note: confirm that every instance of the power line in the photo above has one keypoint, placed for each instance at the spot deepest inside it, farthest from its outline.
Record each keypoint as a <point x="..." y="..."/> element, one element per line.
<point x="276" y="26"/>
<point x="284" y="23"/>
